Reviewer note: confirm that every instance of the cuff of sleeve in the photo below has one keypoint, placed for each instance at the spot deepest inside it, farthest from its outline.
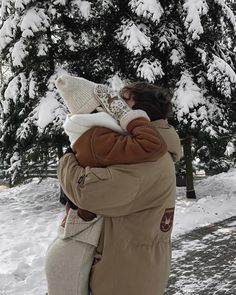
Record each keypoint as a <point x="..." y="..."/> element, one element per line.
<point x="132" y="115"/>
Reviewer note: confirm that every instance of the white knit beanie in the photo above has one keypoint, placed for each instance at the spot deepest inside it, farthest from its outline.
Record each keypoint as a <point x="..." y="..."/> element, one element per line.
<point x="78" y="94"/>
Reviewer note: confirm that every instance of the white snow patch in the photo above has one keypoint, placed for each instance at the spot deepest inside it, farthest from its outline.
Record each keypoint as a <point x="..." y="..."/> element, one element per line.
<point x="46" y="110"/>
<point x="16" y="89"/>
<point x="29" y="215"/>
<point x="150" y="9"/>
<point x="34" y="20"/>
<point x="203" y="55"/>
<point x="61" y="2"/>
<point x="7" y="32"/>
<point x="230" y="149"/>
<point x="42" y="48"/>
<point x="229" y="14"/>
<point x="116" y="83"/>
<point x="20" y="4"/>
<point x="176" y="57"/>
<point x="216" y="200"/>
<point x="222" y="74"/>
<point x="134" y="37"/>
<point x="32" y="86"/>
<point x="84" y="7"/>
<point x="150" y="70"/>
<point x="12" y="90"/>
<point x="195" y="9"/>
<point x="18" y="53"/>
<point x="187" y="95"/>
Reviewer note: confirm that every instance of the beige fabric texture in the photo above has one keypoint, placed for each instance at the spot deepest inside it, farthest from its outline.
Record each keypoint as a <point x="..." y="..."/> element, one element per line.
<point x="63" y="262"/>
<point x="134" y="253"/>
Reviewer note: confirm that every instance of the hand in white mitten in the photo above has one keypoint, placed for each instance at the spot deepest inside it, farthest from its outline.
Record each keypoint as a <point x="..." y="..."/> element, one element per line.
<point x="116" y="106"/>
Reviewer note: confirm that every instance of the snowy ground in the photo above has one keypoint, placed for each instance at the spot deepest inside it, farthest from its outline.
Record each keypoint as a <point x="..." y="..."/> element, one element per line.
<point x="29" y="215"/>
<point x="216" y="200"/>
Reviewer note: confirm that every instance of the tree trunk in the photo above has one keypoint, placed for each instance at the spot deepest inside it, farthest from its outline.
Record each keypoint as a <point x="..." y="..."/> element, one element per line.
<point x="59" y="151"/>
<point x="190" y="192"/>
<point x="1" y="72"/>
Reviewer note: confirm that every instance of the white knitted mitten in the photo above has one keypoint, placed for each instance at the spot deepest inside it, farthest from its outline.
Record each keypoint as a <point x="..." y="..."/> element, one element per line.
<point x="116" y="106"/>
<point x="113" y="105"/>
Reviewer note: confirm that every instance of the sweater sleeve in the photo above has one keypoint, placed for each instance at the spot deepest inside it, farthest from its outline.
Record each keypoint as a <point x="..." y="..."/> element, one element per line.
<point x="142" y="143"/>
<point x="98" y="190"/>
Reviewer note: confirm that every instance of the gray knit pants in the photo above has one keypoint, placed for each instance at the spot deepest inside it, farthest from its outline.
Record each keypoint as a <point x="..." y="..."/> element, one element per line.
<point x="68" y="264"/>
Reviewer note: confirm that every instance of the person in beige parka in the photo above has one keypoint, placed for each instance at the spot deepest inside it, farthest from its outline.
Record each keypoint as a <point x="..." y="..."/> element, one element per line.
<point x="137" y="201"/>
<point x="97" y="140"/>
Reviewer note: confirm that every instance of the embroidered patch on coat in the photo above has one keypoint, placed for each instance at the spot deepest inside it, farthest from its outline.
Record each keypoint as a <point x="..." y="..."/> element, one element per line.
<point x="167" y="220"/>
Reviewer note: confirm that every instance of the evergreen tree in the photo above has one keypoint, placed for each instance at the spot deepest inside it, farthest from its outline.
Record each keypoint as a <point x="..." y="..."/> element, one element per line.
<point x="31" y="113"/>
<point x="186" y="46"/>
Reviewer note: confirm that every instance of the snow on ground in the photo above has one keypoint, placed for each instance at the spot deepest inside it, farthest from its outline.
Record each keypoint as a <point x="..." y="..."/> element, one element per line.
<point x="30" y="213"/>
<point x="216" y="200"/>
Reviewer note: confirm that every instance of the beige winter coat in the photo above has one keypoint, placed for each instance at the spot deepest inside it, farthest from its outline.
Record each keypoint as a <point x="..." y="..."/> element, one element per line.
<point x="137" y="202"/>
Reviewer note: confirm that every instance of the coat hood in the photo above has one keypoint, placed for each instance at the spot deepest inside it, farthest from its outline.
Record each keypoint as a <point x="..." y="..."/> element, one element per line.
<point x="170" y="137"/>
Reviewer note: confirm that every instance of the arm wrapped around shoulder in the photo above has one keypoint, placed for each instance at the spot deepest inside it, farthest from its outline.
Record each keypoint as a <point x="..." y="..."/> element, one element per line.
<point x="98" y="190"/>
<point x="142" y="143"/>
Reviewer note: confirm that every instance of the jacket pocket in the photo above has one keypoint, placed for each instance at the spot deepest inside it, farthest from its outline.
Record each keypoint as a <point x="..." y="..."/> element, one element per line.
<point x="96" y="174"/>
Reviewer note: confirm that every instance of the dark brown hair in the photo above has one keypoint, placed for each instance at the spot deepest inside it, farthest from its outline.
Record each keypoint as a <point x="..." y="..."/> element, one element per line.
<point x="152" y="99"/>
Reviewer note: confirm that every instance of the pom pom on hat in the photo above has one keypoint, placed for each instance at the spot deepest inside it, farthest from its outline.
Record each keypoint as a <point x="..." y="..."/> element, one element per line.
<point x="78" y="94"/>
